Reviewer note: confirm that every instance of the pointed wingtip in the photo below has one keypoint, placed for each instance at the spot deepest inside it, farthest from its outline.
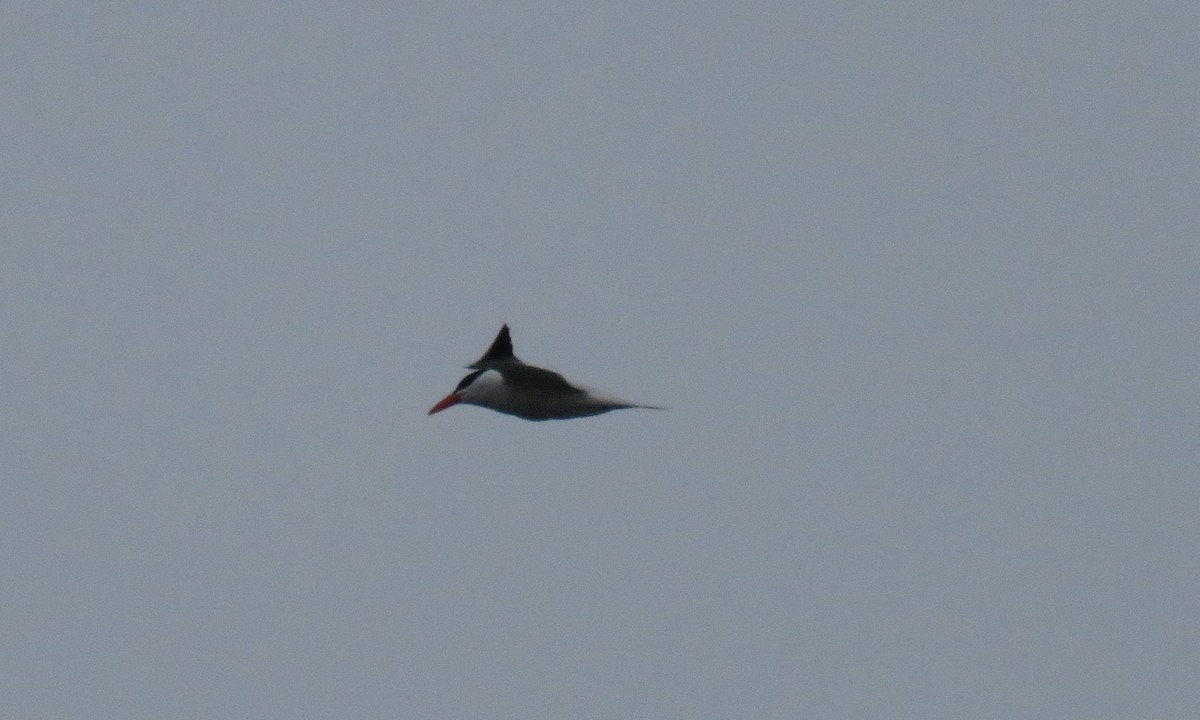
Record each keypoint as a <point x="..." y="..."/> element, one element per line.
<point x="500" y="350"/>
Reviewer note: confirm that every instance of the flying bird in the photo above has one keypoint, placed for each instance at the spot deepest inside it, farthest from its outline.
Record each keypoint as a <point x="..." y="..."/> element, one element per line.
<point x="501" y="382"/>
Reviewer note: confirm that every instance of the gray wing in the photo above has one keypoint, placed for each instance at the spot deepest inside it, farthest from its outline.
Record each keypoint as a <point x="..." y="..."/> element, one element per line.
<point x="529" y="377"/>
<point x="500" y="352"/>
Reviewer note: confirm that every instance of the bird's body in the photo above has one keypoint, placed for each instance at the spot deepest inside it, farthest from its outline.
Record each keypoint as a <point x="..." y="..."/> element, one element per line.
<point x="503" y="383"/>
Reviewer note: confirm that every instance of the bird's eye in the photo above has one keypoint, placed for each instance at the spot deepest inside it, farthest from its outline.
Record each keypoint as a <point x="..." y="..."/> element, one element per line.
<point x="468" y="380"/>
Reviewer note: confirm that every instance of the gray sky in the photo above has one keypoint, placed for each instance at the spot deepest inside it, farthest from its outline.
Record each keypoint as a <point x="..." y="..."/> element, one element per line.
<point x="919" y="283"/>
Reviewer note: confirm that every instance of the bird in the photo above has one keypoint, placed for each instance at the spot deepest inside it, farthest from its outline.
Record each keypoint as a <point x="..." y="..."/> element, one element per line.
<point x="501" y="382"/>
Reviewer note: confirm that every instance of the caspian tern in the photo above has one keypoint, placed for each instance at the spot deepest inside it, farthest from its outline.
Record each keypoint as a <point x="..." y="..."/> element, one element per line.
<point x="503" y="383"/>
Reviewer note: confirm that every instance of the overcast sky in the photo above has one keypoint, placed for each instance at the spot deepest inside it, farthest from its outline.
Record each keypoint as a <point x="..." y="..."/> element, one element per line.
<point x="919" y="283"/>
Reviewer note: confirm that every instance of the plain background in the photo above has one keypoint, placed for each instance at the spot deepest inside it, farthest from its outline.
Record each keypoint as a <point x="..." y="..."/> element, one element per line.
<point x="918" y="281"/>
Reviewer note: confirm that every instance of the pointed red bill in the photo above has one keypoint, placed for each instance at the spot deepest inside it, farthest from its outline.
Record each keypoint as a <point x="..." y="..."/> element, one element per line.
<point x="451" y="399"/>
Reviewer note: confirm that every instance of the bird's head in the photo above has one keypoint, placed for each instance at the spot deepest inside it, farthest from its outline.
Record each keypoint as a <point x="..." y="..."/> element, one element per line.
<point x="477" y="388"/>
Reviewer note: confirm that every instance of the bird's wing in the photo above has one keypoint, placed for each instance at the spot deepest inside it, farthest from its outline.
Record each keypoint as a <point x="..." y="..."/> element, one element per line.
<point x="529" y="377"/>
<point x="501" y="351"/>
